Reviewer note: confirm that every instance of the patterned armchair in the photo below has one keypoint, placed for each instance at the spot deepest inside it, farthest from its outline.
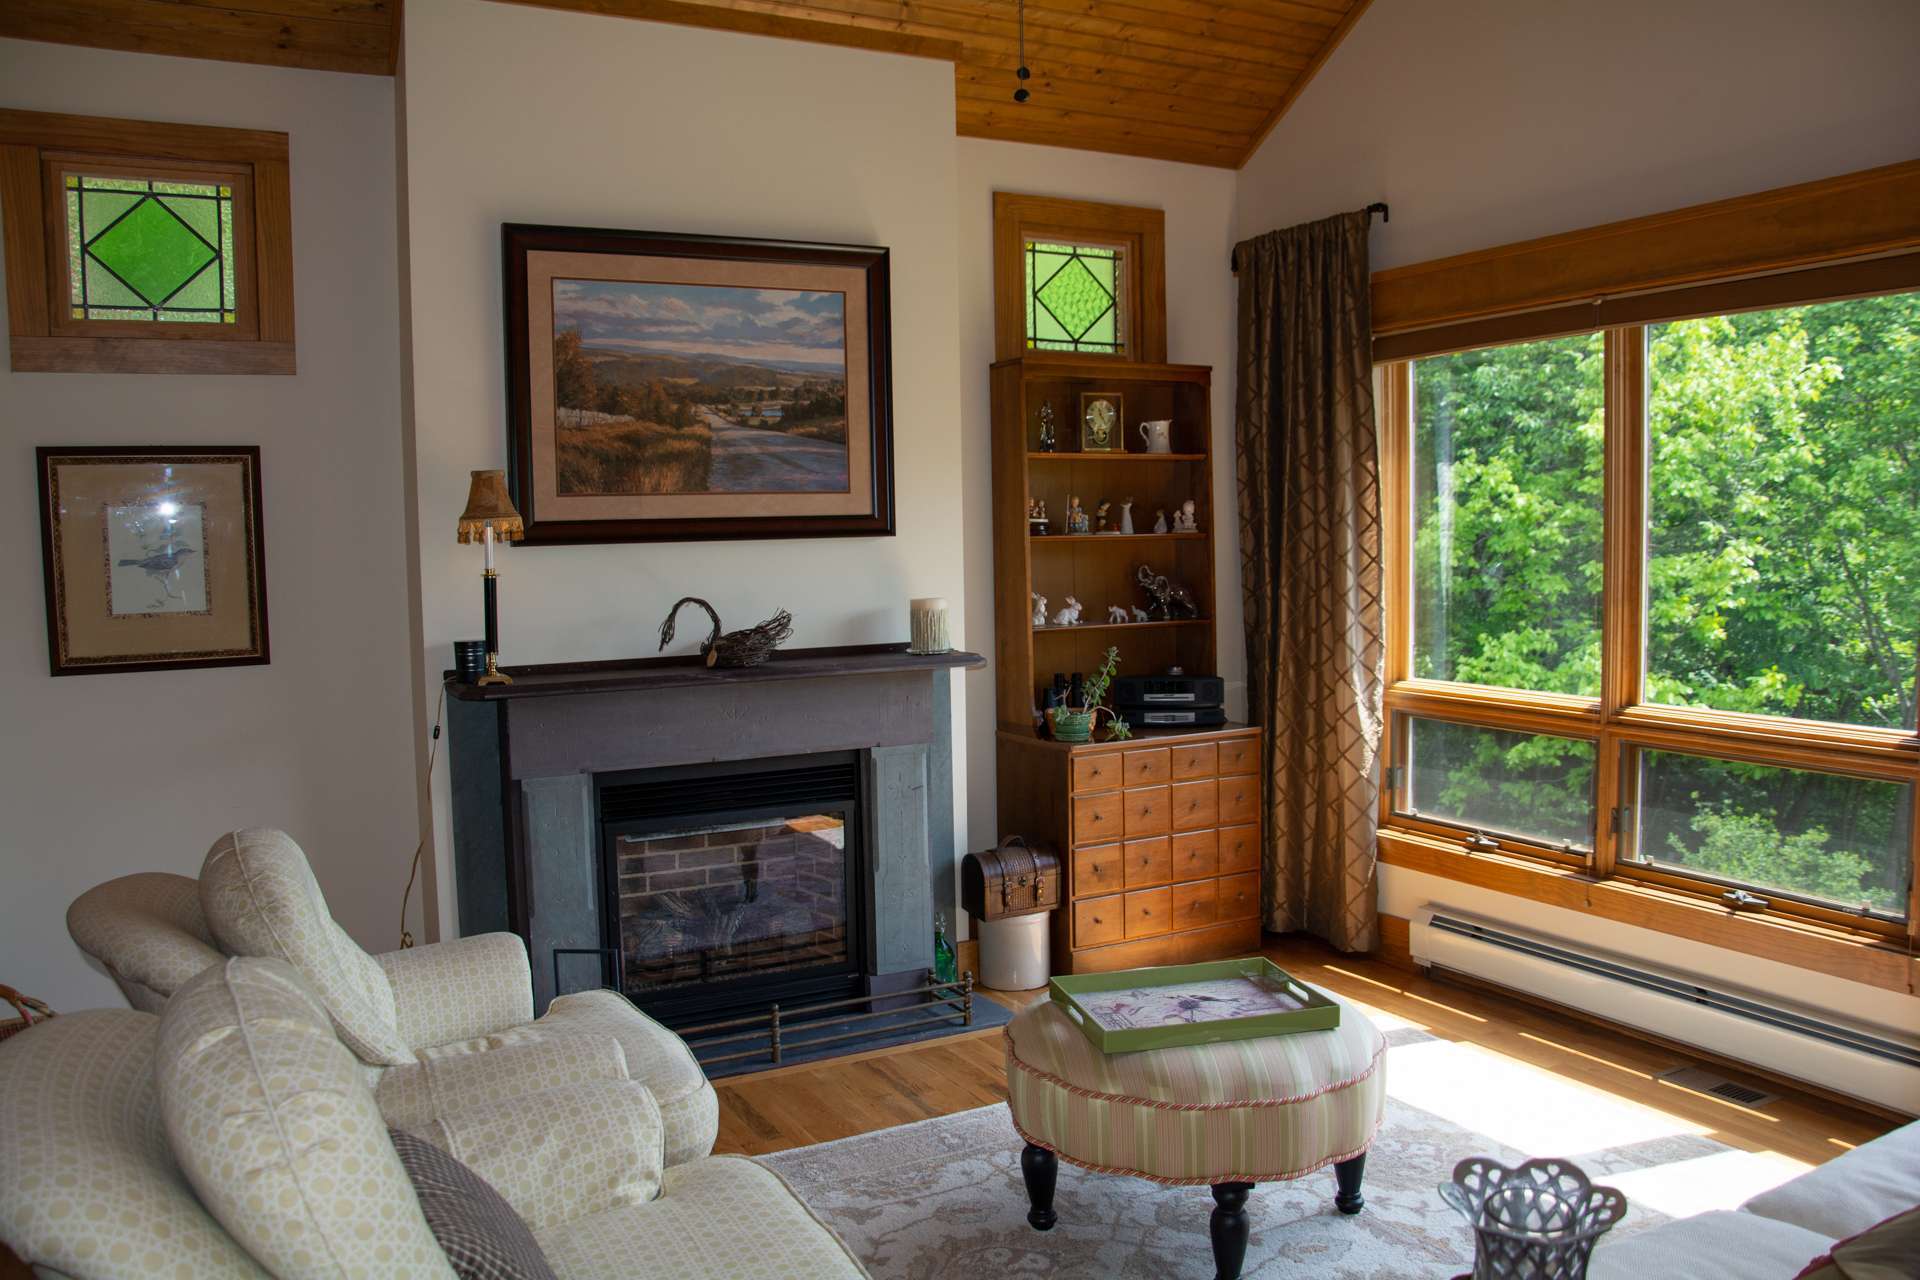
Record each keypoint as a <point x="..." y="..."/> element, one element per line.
<point x="410" y="1015"/>
<point x="235" y="1137"/>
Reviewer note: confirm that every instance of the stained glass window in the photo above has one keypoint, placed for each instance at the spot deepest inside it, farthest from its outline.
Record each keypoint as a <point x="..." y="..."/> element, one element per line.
<point x="150" y="249"/>
<point x="1075" y="298"/>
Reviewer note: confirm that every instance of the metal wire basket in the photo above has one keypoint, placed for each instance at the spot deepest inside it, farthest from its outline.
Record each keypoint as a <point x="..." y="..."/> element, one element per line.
<point x="1537" y="1222"/>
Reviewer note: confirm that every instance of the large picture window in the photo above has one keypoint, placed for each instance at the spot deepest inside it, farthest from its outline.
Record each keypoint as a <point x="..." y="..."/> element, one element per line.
<point x="1660" y="599"/>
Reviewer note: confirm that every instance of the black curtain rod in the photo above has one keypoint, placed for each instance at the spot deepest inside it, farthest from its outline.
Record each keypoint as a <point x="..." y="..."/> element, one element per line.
<point x="1378" y="206"/>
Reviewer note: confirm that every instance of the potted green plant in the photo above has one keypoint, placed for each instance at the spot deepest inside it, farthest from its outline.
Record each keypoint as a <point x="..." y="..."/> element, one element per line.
<point x="1077" y="724"/>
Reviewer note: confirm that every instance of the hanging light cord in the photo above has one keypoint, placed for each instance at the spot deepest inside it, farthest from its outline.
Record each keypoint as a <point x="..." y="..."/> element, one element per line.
<point x="433" y="753"/>
<point x="1021" y="94"/>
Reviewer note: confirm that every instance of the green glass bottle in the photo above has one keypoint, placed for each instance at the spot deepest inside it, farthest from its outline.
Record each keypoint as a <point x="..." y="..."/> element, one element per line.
<point x="945" y="967"/>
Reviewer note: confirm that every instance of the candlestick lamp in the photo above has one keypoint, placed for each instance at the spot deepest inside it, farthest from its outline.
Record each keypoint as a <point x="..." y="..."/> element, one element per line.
<point x="490" y="516"/>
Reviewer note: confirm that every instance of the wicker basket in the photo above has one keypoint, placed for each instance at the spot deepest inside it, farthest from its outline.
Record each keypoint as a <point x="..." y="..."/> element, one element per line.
<point x="29" y="1009"/>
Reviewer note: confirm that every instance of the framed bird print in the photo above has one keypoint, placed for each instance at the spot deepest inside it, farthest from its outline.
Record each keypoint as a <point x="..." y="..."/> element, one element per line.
<point x="153" y="558"/>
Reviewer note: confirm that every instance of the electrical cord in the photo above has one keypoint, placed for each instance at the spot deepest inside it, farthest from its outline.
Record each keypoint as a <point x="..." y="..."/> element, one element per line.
<point x="433" y="753"/>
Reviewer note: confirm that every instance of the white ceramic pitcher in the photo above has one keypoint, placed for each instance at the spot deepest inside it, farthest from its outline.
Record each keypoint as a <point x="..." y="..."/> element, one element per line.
<point x="1158" y="435"/>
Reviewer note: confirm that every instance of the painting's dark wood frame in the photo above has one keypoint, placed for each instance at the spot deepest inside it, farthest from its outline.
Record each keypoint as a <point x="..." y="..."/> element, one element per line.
<point x="519" y="239"/>
<point x="45" y="455"/>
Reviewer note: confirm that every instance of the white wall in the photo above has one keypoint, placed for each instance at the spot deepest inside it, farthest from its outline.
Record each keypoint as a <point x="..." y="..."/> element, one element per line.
<point x="101" y="775"/>
<point x="1488" y="121"/>
<point x="516" y="114"/>
<point x="1483" y="122"/>
<point x="1200" y="321"/>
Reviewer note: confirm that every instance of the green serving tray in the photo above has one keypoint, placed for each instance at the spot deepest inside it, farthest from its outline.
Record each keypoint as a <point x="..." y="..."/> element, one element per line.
<point x="1316" y="1012"/>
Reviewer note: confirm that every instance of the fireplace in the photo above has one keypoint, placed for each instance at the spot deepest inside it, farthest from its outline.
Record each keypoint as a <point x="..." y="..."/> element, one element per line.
<point x="730" y="887"/>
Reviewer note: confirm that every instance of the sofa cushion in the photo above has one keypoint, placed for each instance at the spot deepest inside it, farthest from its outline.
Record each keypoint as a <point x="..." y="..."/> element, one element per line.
<point x="721" y="1218"/>
<point x="411" y="1096"/>
<point x="561" y="1154"/>
<point x="147" y="929"/>
<point x="1888" y="1250"/>
<point x="1844" y="1197"/>
<point x="87" y="1185"/>
<point x="483" y="1238"/>
<point x="261" y="899"/>
<point x="1722" y="1245"/>
<point x="271" y="1119"/>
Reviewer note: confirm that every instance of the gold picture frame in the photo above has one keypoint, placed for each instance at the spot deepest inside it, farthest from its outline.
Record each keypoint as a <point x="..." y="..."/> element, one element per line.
<point x="152" y="557"/>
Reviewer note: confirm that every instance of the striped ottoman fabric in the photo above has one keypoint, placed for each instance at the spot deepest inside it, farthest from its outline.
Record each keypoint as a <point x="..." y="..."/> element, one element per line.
<point x="1244" y="1111"/>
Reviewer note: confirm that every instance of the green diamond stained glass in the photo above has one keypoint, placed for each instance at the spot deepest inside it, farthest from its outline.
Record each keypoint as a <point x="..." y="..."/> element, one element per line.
<point x="1074" y="297"/>
<point x="145" y="249"/>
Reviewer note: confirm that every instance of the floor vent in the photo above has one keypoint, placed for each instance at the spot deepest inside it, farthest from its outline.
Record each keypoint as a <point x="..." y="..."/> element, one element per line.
<point x="1701" y="1080"/>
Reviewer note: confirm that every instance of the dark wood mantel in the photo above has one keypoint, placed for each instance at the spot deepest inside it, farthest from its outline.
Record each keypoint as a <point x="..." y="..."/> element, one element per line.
<point x="641" y="675"/>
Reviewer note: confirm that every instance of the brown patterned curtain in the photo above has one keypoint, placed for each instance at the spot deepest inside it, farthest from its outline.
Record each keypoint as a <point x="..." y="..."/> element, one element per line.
<point x="1311" y="570"/>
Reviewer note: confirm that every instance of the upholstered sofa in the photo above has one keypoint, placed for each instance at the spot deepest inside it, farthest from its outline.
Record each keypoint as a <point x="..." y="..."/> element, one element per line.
<point x="1775" y="1235"/>
<point x="405" y="1014"/>
<point x="237" y="1136"/>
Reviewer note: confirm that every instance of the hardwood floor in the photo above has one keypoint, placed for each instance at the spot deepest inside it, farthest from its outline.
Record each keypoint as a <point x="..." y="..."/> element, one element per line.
<point x="818" y="1102"/>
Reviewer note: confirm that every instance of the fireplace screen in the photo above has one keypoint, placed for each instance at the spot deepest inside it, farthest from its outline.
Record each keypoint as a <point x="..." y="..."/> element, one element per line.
<point x="732" y="900"/>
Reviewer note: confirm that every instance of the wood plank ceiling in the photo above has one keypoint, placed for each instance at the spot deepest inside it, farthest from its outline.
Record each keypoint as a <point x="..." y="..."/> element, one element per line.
<point x="1195" y="80"/>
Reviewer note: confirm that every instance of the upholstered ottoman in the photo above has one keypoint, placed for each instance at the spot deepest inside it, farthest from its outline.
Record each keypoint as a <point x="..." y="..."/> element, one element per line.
<point x="1219" y="1115"/>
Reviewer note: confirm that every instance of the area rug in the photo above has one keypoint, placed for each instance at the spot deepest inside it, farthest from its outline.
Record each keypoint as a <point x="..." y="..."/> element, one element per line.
<point x="942" y="1199"/>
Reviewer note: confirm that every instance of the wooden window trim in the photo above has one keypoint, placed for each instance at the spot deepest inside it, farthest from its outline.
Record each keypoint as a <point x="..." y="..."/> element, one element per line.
<point x="1839" y="952"/>
<point x="31" y="141"/>
<point x="1142" y="232"/>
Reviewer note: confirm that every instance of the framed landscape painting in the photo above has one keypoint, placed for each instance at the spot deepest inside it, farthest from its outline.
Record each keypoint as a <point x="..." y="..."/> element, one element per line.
<point x="153" y="558"/>
<point x="676" y="388"/>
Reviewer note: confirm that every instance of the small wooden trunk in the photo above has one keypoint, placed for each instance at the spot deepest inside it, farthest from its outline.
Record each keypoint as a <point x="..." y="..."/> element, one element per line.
<point x="1012" y="880"/>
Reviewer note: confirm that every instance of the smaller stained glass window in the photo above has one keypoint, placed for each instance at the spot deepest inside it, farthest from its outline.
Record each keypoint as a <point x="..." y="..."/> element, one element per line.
<point x="1075" y="298"/>
<point x="150" y="249"/>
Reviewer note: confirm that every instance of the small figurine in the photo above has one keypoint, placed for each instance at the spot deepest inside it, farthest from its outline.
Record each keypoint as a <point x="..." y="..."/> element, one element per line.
<point x="1069" y="616"/>
<point x="1046" y="428"/>
<point x="1039" y="609"/>
<point x="1160" y="521"/>
<point x="1100" y="518"/>
<point x="1184" y="520"/>
<point x="1126" y="516"/>
<point x="1037" y="522"/>
<point x="1170" y="599"/>
<point x="1140" y="615"/>
<point x="1116" y="613"/>
<point x="1077" y="521"/>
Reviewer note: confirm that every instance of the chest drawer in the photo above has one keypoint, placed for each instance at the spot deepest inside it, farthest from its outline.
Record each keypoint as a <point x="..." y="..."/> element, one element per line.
<point x="1239" y="799"/>
<point x="1239" y="896"/>
<point x="1148" y="861"/>
<point x="1239" y="755"/>
<point x="1239" y="849"/>
<point x="1197" y="761"/>
<point x="1097" y="819"/>
<point x="1099" y="920"/>
<point x="1195" y="905"/>
<point x="1144" y="768"/>
<point x="1097" y="870"/>
<point x="1149" y="911"/>
<point x="1194" y="805"/>
<point x="1146" y="812"/>
<point x="1096" y="773"/>
<point x="1195" y="854"/>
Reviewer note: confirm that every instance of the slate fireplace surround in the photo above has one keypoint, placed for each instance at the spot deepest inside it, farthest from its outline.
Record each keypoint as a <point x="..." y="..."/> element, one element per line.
<point x="562" y="789"/>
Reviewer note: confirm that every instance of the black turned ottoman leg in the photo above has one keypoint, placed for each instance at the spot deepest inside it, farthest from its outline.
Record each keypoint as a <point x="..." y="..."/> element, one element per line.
<point x="1229" y="1227"/>
<point x="1348" y="1199"/>
<point x="1039" y="1167"/>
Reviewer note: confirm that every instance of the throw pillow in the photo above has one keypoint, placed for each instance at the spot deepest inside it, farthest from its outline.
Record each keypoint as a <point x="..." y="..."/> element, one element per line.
<point x="483" y="1237"/>
<point x="1887" y="1251"/>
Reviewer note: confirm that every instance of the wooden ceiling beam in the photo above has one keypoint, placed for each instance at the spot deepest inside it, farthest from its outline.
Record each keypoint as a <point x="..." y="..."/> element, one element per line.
<point x="1099" y="100"/>
<point x="373" y="12"/>
<point x="202" y="31"/>
<point x="1041" y="134"/>
<point x="765" y="21"/>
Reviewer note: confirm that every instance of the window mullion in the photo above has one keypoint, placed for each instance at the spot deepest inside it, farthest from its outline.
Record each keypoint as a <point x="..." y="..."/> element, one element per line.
<point x="1623" y="596"/>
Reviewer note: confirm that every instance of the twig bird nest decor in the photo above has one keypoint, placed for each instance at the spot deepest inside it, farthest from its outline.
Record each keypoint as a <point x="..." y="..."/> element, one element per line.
<point x="747" y="648"/>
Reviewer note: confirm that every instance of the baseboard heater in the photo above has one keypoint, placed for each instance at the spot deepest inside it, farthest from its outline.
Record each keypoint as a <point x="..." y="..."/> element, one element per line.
<point x="1856" y="1060"/>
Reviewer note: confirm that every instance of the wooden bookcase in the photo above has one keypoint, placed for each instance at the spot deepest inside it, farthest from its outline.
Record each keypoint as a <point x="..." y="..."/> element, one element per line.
<point x="1158" y="837"/>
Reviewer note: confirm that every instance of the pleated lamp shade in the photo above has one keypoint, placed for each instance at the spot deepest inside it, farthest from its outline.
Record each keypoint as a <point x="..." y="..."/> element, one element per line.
<point x="488" y="504"/>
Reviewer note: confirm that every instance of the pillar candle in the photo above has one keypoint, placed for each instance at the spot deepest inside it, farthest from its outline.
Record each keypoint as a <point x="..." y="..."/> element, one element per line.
<point x="929" y="626"/>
